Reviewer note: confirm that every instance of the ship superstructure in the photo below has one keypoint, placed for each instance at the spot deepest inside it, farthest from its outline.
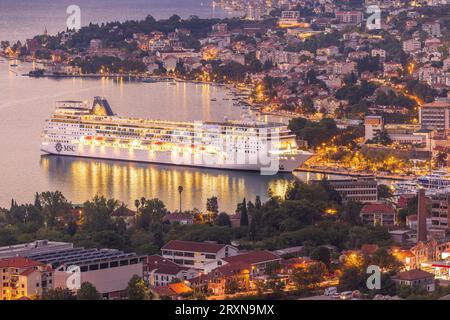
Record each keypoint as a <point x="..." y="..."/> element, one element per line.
<point x="76" y="129"/>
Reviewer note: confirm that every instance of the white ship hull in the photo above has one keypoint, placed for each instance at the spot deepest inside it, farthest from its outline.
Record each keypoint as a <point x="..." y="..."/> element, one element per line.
<point x="271" y="165"/>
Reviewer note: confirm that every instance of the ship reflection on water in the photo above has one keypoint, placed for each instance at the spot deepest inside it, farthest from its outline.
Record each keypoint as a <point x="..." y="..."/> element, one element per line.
<point x="80" y="179"/>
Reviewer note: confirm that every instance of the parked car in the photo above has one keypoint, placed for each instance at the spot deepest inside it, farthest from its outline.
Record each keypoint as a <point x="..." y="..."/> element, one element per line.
<point x="346" y="295"/>
<point x="331" y="291"/>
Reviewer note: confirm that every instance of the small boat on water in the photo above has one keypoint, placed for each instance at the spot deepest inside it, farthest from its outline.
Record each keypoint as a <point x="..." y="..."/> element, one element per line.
<point x="435" y="180"/>
<point x="149" y="80"/>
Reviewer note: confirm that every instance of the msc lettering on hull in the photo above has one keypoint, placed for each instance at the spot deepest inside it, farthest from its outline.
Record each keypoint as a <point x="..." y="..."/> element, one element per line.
<point x="60" y="148"/>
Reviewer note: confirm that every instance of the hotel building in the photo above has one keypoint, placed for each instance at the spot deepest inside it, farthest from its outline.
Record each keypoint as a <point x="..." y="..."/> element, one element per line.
<point x="197" y="255"/>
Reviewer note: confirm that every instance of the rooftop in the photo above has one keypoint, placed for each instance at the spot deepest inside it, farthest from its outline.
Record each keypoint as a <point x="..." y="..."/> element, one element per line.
<point x="81" y="256"/>
<point x="377" y="208"/>
<point x="253" y="257"/>
<point x="190" y="246"/>
<point x="412" y="275"/>
<point x="19" y="262"/>
<point x="437" y="104"/>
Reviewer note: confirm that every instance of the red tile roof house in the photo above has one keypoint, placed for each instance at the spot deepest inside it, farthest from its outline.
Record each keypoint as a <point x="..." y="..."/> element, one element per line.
<point x="236" y="273"/>
<point x="172" y="291"/>
<point x="21" y="277"/>
<point x="129" y="216"/>
<point x="201" y="256"/>
<point x="378" y="214"/>
<point x="416" y="278"/>
<point x="181" y="218"/>
<point x="256" y="261"/>
<point x="159" y="271"/>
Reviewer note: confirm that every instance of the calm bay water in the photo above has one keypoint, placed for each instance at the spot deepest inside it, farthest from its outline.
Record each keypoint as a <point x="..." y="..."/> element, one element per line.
<point x="26" y="102"/>
<point x="21" y="19"/>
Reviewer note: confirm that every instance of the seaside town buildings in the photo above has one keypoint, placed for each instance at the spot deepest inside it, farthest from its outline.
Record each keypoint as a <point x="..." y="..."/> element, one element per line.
<point x="282" y="53"/>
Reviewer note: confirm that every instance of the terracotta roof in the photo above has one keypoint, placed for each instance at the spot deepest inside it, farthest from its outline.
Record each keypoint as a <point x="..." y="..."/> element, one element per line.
<point x="179" y="288"/>
<point x="178" y="216"/>
<point x="377" y="208"/>
<point x="189" y="246"/>
<point x="27" y="272"/>
<point x="163" y="291"/>
<point x="19" y="262"/>
<point x="437" y="104"/>
<point x="369" y="249"/>
<point x="160" y="265"/>
<point x="231" y="269"/>
<point x="412" y="275"/>
<point x="172" y="289"/>
<point x="123" y="212"/>
<point x="253" y="257"/>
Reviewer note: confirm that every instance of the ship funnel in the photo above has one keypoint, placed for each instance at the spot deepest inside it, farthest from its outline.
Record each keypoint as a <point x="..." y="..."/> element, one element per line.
<point x="101" y="107"/>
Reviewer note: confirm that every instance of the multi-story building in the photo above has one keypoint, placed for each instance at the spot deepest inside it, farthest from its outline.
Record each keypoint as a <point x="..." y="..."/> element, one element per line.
<point x="159" y="271"/>
<point x="349" y="17"/>
<point x="416" y="278"/>
<point x="436" y="116"/>
<point x="237" y="270"/>
<point x="411" y="46"/>
<point x="197" y="255"/>
<point x="23" y="278"/>
<point x="289" y="18"/>
<point x="440" y="210"/>
<point x="378" y="214"/>
<point x="363" y="189"/>
<point x="109" y="270"/>
<point x="373" y="125"/>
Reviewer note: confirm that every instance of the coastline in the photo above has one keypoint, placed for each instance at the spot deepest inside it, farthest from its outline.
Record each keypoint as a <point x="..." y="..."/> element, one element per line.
<point x="354" y="174"/>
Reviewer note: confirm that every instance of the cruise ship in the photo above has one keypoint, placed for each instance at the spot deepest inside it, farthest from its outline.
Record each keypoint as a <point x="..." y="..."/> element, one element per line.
<point x="80" y="130"/>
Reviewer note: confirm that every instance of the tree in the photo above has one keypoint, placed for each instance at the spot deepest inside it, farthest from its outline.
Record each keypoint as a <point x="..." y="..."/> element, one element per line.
<point x="58" y="294"/>
<point x="321" y="254"/>
<point x="309" y="277"/>
<point x="212" y="206"/>
<point x="441" y="159"/>
<point x="384" y="192"/>
<point x="352" y="279"/>
<point x="258" y="204"/>
<point x="136" y="289"/>
<point x="55" y="207"/>
<point x="88" y="292"/>
<point x="223" y="220"/>
<point x="37" y="201"/>
<point x="151" y="212"/>
<point x="244" y="213"/>
<point x="180" y="191"/>
<point x="97" y="214"/>
<point x="137" y="204"/>
<point x="350" y="212"/>
<point x="385" y="261"/>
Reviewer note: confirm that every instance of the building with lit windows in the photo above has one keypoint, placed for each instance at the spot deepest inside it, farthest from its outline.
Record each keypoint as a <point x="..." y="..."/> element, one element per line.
<point x="197" y="255"/>
<point x="23" y="278"/>
<point x="78" y="130"/>
<point x="363" y="189"/>
<point x="436" y="116"/>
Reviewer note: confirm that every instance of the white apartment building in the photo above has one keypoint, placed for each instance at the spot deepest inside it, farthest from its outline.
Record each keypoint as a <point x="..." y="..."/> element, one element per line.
<point x="413" y="45"/>
<point x="196" y="255"/>
<point x="435" y="116"/>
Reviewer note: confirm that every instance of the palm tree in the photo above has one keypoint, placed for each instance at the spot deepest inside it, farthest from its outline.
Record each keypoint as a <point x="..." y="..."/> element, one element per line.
<point x="180" y="191"/>
<point x="137" y="203"/>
